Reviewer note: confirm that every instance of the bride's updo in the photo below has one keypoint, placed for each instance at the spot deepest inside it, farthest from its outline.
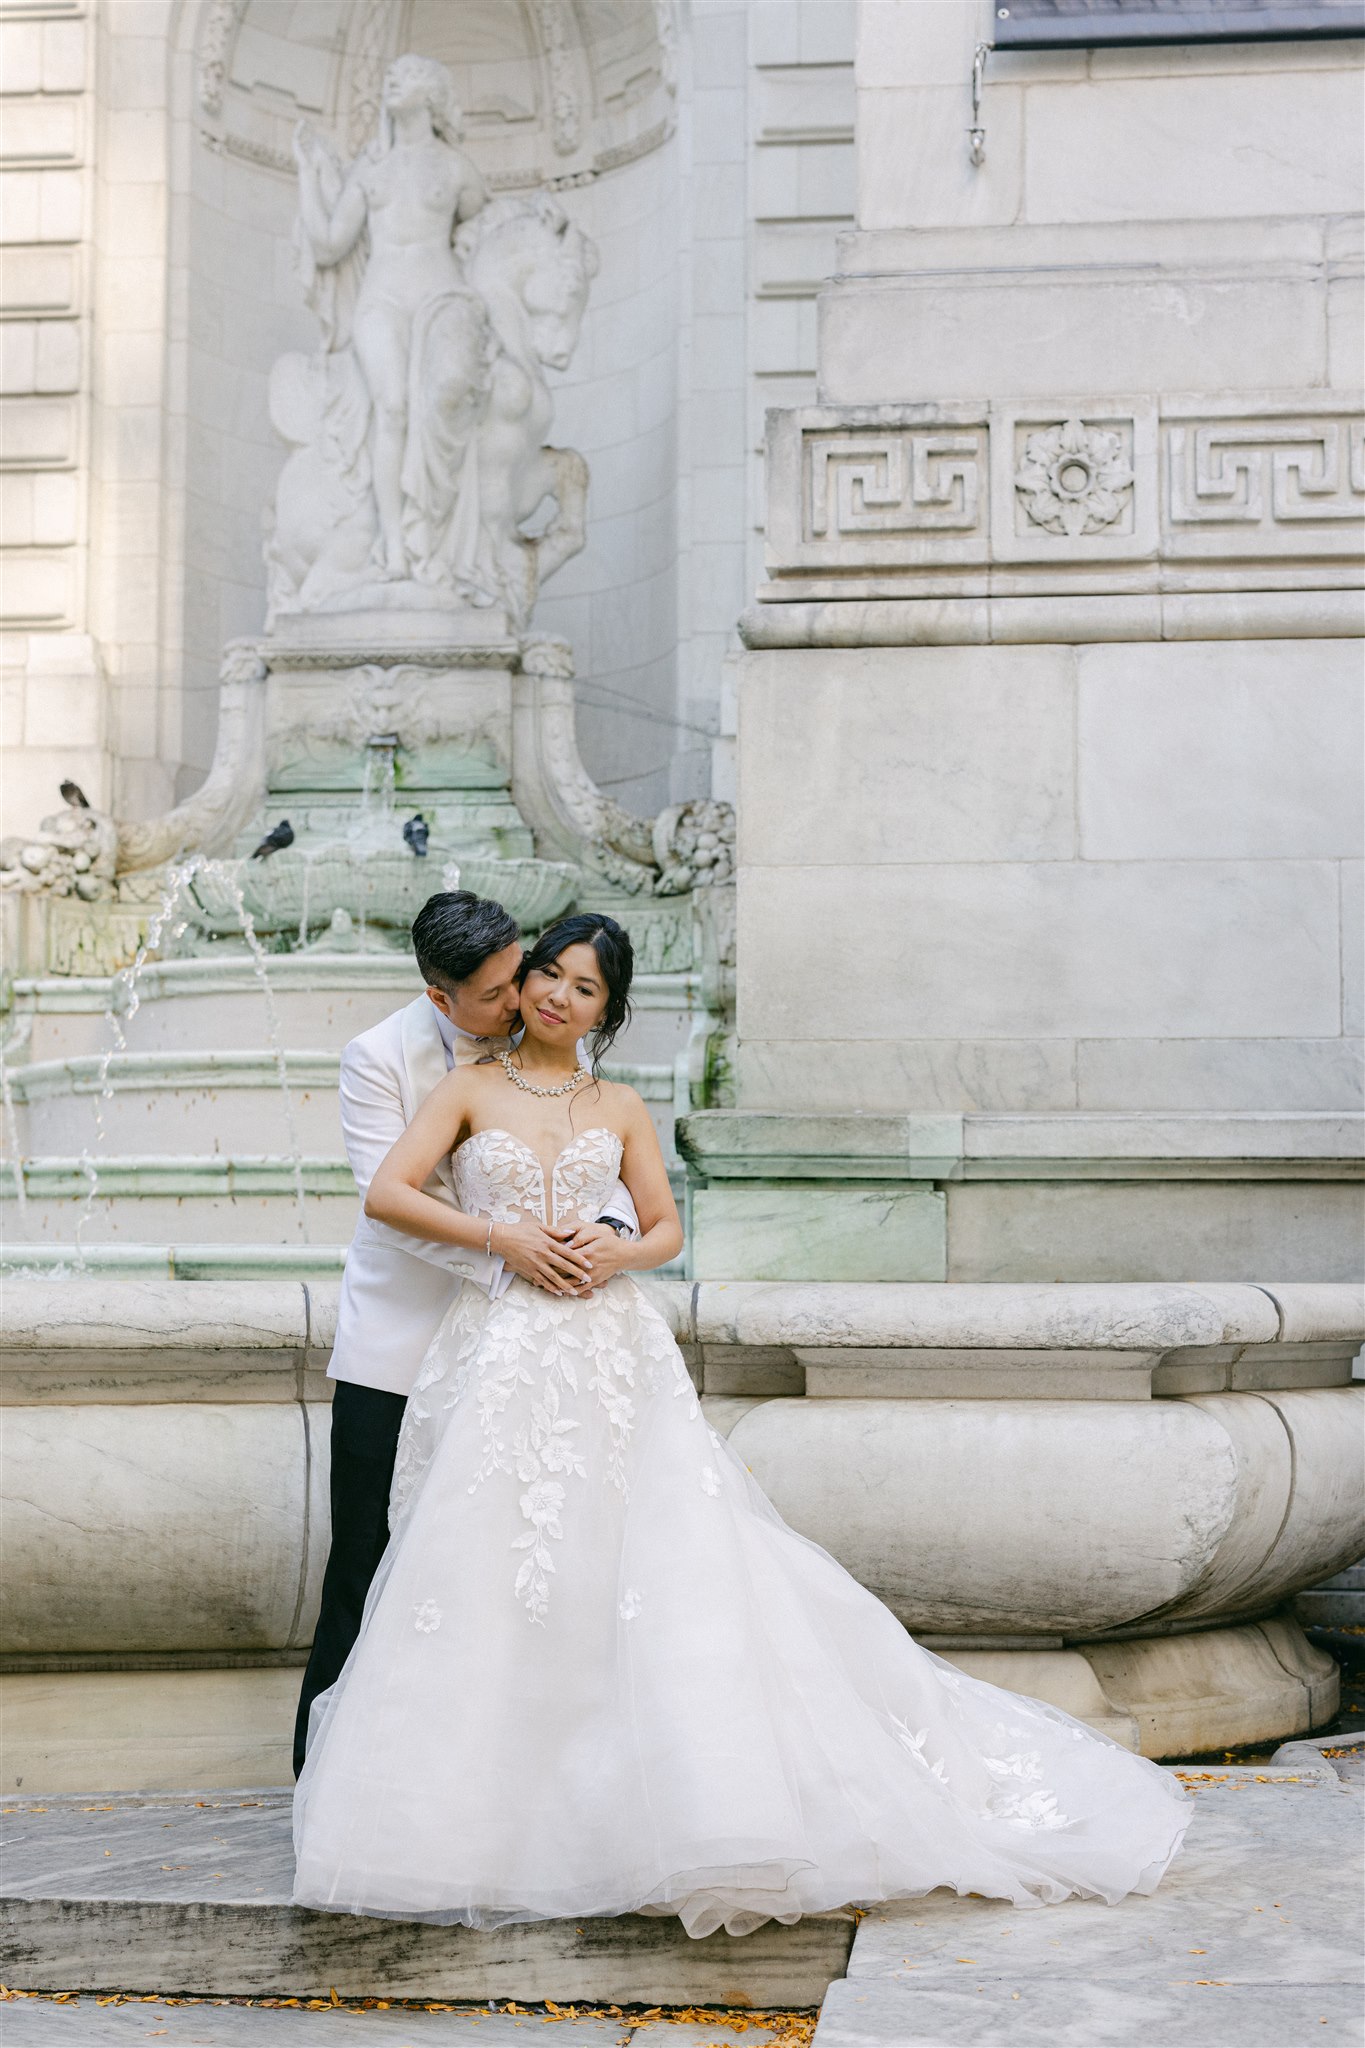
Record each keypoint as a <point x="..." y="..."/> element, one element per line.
<point x="615" y="960"/>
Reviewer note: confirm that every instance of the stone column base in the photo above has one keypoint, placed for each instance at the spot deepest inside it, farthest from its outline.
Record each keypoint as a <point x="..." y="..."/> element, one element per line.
<point x="1173" y="1696"/>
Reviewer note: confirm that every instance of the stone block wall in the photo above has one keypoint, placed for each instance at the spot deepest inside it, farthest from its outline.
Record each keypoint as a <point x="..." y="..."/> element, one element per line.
<point x="54" y="705"/>
<point x="1050" y="732"/>
<point x="1107" y="877"/>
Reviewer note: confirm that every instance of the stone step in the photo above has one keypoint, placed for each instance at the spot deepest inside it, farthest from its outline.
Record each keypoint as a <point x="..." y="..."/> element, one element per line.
<point x="190" y="1892"/>
<point x="1320" y="1609"/>
<point x="41" y="2023"/>
<point x="194" y="1103"/>
<point x="317" y="1001"/>
<point x="269" y="1261"/>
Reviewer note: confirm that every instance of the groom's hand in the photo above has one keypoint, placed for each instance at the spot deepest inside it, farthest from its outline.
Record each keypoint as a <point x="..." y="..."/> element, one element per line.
<point x="605" y="1250"/>
<point x="541" y="1256"/>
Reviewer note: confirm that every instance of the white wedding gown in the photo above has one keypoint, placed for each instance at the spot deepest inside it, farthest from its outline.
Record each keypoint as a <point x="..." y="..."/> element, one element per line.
<point x="599" y="1674"/>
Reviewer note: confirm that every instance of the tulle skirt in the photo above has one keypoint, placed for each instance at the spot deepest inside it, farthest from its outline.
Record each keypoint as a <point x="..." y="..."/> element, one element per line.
<point x="598" y="1674"/>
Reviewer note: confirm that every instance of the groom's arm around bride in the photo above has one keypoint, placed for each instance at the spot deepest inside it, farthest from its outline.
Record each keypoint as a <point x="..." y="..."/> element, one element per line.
<point x="396" y="1289"/>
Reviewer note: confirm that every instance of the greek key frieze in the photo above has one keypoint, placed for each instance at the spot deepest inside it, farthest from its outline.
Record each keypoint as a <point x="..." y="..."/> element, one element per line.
<point x="1265" y="474"/>
<point x="926" y="499"/>
<point x="905" y="481"/>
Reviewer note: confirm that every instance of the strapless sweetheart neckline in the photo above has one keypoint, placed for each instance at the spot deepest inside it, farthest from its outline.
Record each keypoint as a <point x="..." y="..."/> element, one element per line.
<point x="498" y="1131"/>
<point x="504" y="1175"/>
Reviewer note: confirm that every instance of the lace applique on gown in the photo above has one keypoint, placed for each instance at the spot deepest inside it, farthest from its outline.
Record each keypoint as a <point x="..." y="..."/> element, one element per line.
<point x="599" y="1674"/>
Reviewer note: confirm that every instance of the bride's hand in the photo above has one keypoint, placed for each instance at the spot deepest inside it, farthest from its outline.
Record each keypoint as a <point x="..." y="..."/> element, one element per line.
<point x="540" y="1256"/>
<point x="605" y="1251"/>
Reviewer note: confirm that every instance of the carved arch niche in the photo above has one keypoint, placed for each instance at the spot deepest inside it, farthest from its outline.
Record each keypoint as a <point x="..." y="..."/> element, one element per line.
<point x="555" y="91"/>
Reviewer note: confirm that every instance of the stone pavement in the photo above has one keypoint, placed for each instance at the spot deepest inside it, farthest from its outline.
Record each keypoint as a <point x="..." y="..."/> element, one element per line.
<point x="1253" y="1941"/>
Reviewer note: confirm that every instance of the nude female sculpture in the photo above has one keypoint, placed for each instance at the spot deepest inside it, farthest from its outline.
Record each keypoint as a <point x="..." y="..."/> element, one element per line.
<point x="419" y="427"/>
<point x="407" y="194"/>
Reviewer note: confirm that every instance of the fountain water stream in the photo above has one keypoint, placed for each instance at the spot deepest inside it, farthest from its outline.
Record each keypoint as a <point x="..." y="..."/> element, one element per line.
<point x="170" y="920"/>
<point x="227" y="879"/>
<point x="12" y="1140"/>
<point x="167" y="923"/>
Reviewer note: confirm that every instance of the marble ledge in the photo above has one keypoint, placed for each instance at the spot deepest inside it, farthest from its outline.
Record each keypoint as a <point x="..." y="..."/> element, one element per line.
<point x="70" y="1314"/>
<point x="1272" y="242"/>
<point x="84" y="1343"/>
<point x="964" y="1316"/>
<point x="1055" y="620"/>
<point x="310" y="973"/>
<point x="984" y="1145"/>
<point x="258" y="1320"/>
<point x="241" y="1261"/>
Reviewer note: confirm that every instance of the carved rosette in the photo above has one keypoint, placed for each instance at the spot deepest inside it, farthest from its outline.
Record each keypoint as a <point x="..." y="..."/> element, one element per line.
<point x="1074" y="479"/>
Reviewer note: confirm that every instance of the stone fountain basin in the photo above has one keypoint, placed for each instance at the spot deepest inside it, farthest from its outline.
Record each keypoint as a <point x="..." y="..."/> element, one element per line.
<point x="1107" y="1495"/>
<point x="377" y="887"/>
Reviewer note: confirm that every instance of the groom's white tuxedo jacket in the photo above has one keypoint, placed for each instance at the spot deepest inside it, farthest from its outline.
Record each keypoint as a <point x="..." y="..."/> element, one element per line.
<point x="396" y="1289"/>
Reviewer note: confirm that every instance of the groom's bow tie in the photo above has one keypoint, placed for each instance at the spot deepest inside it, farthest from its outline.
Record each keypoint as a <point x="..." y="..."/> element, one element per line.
<point x="469" y="1051"/>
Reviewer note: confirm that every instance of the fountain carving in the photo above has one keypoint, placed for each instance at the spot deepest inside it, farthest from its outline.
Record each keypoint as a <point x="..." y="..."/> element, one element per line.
<point x="401" y="581"/>
<point x="397" y="712"/>
<point x="418" y="428"/>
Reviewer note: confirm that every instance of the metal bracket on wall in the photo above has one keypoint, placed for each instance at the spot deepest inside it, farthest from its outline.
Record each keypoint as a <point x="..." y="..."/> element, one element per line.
<point x="976" y="134"/>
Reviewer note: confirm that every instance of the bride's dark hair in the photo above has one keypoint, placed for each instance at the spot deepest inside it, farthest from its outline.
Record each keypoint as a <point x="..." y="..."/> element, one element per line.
<point x="615" y="957"/>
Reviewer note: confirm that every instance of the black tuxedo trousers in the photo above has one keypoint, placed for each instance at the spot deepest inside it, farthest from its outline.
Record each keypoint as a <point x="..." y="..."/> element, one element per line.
<point x="365" y="1426"/>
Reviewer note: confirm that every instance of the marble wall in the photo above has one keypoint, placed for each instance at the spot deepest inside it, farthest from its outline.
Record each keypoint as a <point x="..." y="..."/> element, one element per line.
<point x="1052" y="808"/>
<point x="1093" y="877"/>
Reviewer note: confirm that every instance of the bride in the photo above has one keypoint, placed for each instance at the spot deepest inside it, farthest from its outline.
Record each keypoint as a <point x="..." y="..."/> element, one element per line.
<point x="598" y="1674"/>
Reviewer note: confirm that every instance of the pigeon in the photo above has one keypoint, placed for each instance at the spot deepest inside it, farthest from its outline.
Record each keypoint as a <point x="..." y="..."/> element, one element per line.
<point x="417" y="832"/>
<point x="73" y="794"/>
<point x="275" y="840"/>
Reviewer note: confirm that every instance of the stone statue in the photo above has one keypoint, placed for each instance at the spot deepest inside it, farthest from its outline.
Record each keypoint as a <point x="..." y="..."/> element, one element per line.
<point x="72" y="853"/>
<point x="81" y="851"/>
<point x="418" y="428"/>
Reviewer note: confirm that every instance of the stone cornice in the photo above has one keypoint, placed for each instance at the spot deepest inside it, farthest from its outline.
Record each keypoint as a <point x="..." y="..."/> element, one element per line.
<point x="1064" y="617"/>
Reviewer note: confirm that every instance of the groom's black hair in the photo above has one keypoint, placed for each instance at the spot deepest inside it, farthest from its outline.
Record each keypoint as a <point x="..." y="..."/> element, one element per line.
<point x="455" y="932"/>
<point x="615" y="956"/>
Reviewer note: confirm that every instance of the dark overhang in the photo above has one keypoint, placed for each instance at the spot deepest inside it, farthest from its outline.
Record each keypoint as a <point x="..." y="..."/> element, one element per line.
<point x="1084" y="24"/>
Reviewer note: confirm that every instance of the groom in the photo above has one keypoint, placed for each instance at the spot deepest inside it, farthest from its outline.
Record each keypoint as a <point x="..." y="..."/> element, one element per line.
<point x="396" y="1288"/>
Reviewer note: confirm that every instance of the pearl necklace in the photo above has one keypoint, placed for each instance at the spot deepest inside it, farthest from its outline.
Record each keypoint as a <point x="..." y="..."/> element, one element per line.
<point x="530" y="1088"/>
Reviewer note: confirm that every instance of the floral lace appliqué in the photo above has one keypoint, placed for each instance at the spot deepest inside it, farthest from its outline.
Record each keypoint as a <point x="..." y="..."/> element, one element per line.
<point x="631" y="1604"/>
<point x="1010" y="1801"/>
<point x="526" y="1364"/>
<point x="540" y="1504"/>
<point x="427" y="1617"/>
<point x="914" y="1742"/>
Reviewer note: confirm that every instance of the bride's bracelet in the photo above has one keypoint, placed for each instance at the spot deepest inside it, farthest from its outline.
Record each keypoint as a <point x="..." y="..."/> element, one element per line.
<point x="488" y="1247"/>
